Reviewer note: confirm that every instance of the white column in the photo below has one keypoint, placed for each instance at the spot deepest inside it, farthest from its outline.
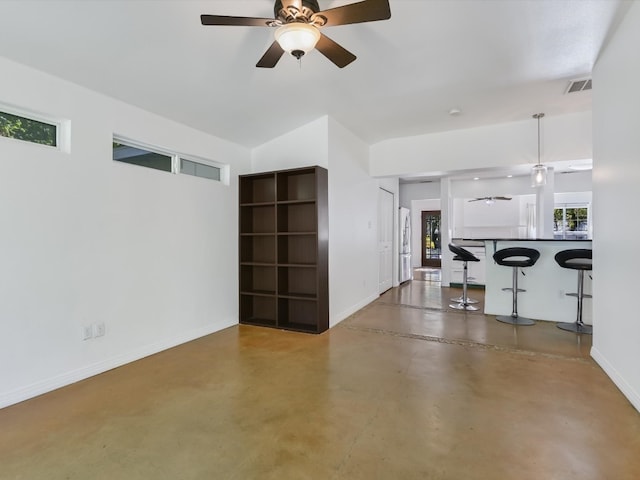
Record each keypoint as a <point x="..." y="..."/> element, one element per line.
<point x="446" y="229"/>
<point x="545" y="203"/>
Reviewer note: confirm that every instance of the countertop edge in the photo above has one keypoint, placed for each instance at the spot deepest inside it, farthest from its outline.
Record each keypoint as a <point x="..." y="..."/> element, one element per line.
<point x="517" y="240"/>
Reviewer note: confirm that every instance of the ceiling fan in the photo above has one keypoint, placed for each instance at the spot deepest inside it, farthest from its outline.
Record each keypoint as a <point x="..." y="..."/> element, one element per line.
<point x="489" y="200"/>
<point x="298" y="25"/>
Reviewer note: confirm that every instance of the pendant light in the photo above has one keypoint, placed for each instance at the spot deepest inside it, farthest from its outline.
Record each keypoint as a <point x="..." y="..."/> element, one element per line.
<point x="539" y="171"/>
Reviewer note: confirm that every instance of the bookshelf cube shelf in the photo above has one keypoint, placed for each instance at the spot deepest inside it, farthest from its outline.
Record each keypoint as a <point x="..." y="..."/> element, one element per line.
<point x="258" y="249"/>
<point x="284" y="280"/>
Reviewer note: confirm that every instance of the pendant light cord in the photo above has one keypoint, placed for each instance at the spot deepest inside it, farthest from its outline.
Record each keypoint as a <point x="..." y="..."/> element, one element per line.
<point x="538" y="116"/>
<point x="538" y="140"/>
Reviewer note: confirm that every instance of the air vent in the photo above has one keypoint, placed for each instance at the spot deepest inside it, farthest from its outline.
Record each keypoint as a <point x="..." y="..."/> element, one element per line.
<point x="407" y="181"/>
<point x="579" y="85"/>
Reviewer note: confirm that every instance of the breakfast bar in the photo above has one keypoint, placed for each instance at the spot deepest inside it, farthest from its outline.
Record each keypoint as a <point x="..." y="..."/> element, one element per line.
<point x="546" y="283"/>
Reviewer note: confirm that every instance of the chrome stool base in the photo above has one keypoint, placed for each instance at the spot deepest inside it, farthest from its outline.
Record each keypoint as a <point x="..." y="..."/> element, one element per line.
<point x="463" y="306"/>
<point x="576" y="327"/>
<point x="515" y="320"/>
<point x="461" y="299"/>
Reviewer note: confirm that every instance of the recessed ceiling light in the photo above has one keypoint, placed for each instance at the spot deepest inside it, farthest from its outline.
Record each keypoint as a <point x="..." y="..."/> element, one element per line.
<point x="455" y="111"/>
<point x="509" y="176"/>
<point x="476" y="178"/>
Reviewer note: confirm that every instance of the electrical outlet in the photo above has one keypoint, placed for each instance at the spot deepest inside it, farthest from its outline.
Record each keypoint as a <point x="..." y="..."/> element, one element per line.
<point x="99" y="329"/>
<point x="87" y="332"/>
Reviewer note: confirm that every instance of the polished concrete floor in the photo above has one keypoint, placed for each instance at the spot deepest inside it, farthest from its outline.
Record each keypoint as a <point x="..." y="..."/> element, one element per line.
<point x="403" y="389"/>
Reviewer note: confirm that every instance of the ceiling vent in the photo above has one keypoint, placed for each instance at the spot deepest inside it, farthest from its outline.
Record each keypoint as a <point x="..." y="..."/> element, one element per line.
<point x="579" y="85"/>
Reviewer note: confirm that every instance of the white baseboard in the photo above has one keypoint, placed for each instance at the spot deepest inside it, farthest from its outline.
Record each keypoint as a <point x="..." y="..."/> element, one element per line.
<point x="336" y="319"/>
<point x="626" y="389"/>
<point x="24" y="393"/>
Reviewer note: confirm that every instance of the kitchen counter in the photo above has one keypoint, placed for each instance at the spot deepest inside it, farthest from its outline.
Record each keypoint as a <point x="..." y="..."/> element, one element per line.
<point x="546" y="283"/>
<point x="456" y="240"/>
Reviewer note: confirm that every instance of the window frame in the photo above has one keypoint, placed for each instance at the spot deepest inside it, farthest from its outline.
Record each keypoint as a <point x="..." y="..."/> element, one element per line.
<point x="142" y="146"/>
<point x="201" y="161"/>
<point x="62" y="127"/>
<point x="176" y="158"/>
<point x="567" y="206"/>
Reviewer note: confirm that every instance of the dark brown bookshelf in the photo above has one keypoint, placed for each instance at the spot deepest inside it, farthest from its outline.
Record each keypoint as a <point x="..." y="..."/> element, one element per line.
<point x="296" y="185"/>
<point x="258" y="310"/>
<point x="284" y="281"/>
<point x="260" y="189"/>
<point x="257" y="219"/>
<point x="258" y="249"/>
<point x="297" y="249"/>
<point x="297" y="217"/>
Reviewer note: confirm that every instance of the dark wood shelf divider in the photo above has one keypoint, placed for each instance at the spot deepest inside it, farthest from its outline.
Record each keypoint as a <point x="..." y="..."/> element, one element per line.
<point x="284" y="272"/>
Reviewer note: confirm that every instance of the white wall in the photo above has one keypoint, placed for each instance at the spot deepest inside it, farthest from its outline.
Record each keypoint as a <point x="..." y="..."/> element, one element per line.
<point x="565" y="137"/>
<point x="573" y="197"/>
<point x="353" y="225"/>
<point x="305" y="146"/>
<point x="616" y="176"/>
<point x="418" y="191"/>
<point x="480" y="220"/>
<point x="501" y="219"/>
<point x="353" y="200"/>
<point x="487" y="187"/>
<point x="84" y="240"/>
<point x="573" y="182"/>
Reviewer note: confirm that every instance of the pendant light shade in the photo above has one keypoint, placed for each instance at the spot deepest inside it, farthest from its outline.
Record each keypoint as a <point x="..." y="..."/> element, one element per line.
<point x="539" y="171"/>
<point x="538" y="176"/>
<point x="297" y="38"/>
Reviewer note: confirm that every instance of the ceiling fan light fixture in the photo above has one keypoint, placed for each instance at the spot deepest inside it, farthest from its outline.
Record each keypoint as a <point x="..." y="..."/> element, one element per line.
<point x="297" y="38"/>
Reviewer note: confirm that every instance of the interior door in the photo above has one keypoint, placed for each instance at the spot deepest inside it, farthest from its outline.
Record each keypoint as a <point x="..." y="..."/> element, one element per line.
<point x="431" y="248"/>
<point x="385" y="240"/>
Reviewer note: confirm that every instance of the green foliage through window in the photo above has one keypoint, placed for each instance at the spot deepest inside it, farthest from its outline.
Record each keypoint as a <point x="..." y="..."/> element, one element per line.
<point x="28" y="130"/>
<point x="570" y="222"/>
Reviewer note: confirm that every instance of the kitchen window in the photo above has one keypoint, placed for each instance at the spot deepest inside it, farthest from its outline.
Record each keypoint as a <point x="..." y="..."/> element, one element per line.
<point x="571" y="222"/>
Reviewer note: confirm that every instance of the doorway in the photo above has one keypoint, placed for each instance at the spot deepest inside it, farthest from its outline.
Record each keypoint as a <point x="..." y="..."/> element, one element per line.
<point x="431" y="248"/>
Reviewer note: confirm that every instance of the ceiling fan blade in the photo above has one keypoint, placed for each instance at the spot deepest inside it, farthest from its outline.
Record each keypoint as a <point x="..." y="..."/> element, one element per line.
<point x="364" y="11"/>
<point x="334" y="52"/>
<point x="235" y="21"/>
<point x="502" y="198"/>
<point x="271" y="56"/>
<point x="478" y="199"/>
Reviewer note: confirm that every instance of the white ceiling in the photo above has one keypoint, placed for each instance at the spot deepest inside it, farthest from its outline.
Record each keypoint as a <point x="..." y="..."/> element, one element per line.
<point x="496" y="60"/>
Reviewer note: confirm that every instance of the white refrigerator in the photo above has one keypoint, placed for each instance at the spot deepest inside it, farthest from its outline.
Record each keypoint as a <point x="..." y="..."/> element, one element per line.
<point x="405" y="244"/>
